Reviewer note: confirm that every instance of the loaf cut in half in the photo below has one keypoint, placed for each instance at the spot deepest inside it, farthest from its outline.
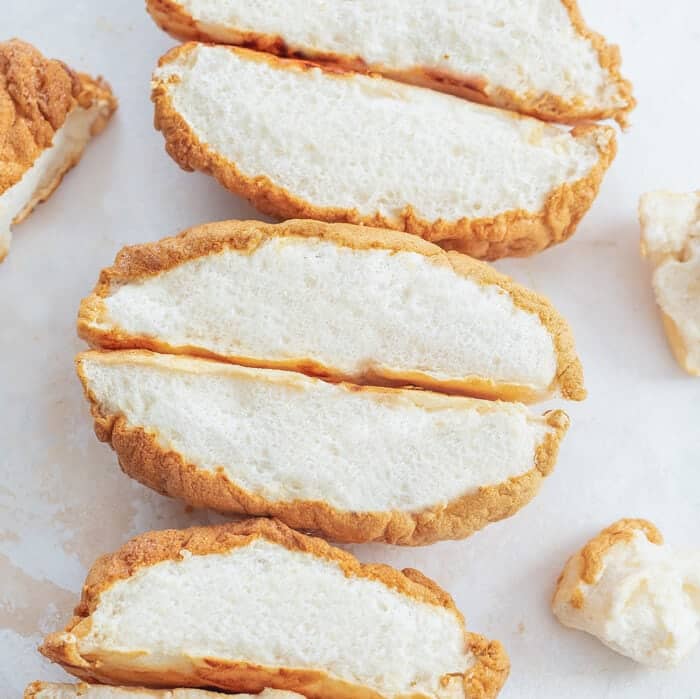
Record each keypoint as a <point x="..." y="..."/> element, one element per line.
<point x="250" y="605"/>
<point x="355" y="463"/>
<point x="304" y="141"/>
<point x="337" y="301"/>
<point x="540" y="60"/>
<point x="49" y="690"/>
<point x="635" y="593"/>
<point x="671" y="240"/>
<point x="48" y="113"/>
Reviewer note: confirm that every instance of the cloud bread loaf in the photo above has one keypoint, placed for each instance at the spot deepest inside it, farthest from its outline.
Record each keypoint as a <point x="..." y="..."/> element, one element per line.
<point x="336" y="301"/>
<point x="48" y="113"/>
<point x="48" y="690"/>
<point x="303" y="141"/>
<point x="355" y="463"/>
<point x="671" y="240"/>
<point x="250" y="605"/>
<point x="541" y="60"/>
<point x="637" y="595"/>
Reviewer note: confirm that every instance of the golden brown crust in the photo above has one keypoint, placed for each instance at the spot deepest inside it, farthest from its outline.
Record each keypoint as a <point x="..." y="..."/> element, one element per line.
<point x="588" y="563"/>
<point x="487" y="675"/>
<point x="143" y="458"/>
<point x="36" y="96"/>
<point x="174" y="19"/>
<point x="517" y="233"/>
<point x="140" y="261"/>
<point x="82" y="689"/>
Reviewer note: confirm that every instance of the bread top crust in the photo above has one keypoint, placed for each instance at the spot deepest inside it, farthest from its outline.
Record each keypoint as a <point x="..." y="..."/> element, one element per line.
<point x="141" y="261"/>
<point x="36" y="96"/>
<point x="171" y="16"/>
<point x="167" y="545"/>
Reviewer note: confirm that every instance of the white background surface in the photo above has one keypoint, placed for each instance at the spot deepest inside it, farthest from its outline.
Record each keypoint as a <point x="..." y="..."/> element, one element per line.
<point x="633" y="449"/>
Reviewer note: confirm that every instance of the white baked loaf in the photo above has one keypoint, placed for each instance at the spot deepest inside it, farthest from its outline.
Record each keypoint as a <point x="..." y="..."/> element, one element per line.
<point x="638" y="596"/>
<point x="541" y="60"/>
<point x="49" y="690"/>
<point x="303" y="141"/>
<point x="48" y="113"/>
<point x="671" y="240"/>
<point x="250" y="605"/>
<point x="336" y="301"/>
<point x="357" y="464"/>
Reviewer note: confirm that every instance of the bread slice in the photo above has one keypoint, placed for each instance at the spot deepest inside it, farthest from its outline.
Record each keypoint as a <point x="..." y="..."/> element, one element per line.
<point x="638" y="596"/>
<point x="336" y="301"/>
<point x="48" y="113"/>
<point x="357" y="464"/>
<point x="544" y="61"/>
<point x="47" y="690"/>
<point x="671" y="239"/>
<point x="299" y="140"/>
<point x="250" y="605"/>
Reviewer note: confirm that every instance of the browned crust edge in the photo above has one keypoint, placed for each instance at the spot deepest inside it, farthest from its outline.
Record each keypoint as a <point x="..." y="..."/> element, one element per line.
<point x="589" y="561"/>
<point x="140" y="261"/>
<point x="482" y="681"/>
<point x="516" y="233"/>
<point x="144" y="459"/>
<point x="82" y="689"/>
<point x="172" y="18"/>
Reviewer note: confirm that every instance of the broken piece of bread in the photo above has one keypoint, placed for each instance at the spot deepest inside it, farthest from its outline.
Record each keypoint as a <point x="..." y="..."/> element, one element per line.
<point x="254" y="604"/>
<point x="304" y="141"/>
<point x="49" y="690"/>
<point x="337" y="301"/>
<point x="542" y="61"/>
<point x="637" y="595"/>
<point x="48" y="113"/>
<point x="355" y="463"/>
<point x="671" y="240"/>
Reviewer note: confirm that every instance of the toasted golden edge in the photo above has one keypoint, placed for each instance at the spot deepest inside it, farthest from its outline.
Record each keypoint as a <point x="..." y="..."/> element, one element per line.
<point x="33" y="690"/>
<point x="517" y="233"/>
<point x="679" y="345"/>
<point x="150" y="259"/>
<point x="167" y="472"/>
<point x="589" y="561"/>
<point x="482" y="681"/>
<point x="62" y="90"/>
<point x="170" y="16"/>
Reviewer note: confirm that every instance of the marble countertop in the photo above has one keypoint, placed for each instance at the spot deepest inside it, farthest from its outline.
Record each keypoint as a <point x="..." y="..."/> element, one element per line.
<point x="634" y="445"/>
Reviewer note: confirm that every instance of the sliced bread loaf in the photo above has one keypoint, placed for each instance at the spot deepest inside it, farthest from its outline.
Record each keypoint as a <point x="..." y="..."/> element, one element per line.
<point x="357" y="464"/>
<point x="336" y="301"/>
<point x="299" y="140"/>
<point x="250" y="605"/>
<point x="48" y="690"/>
<point x="539" y="59"/>
<point x="48" y="113"/>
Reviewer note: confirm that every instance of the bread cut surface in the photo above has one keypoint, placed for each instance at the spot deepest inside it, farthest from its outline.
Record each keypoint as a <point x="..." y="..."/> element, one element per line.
<point x="251" y="605"/>
<point x="636" y="594"/>
<point x="364" y="149"/>
<point x="357" y="464"/>
<point x="48" y="113"/>
<point x="540" y="60"/>
<point x="338" y="301"/>
<point x="49" y="690"/>
<point x="671" y="240"/>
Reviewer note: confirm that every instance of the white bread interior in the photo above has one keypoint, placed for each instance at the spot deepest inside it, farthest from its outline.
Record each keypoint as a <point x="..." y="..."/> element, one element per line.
<point x="286" y="437"/>
<point x="352" y="312"/>
<point x="642" y="599"/>
<point x="671" y="239"/>
<point x="41" y="178"/>
<point x="48" y="690"/>
<point x="212" y="608"/>
<point x="536" y="53"/>
<point x="360" y="148"/>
